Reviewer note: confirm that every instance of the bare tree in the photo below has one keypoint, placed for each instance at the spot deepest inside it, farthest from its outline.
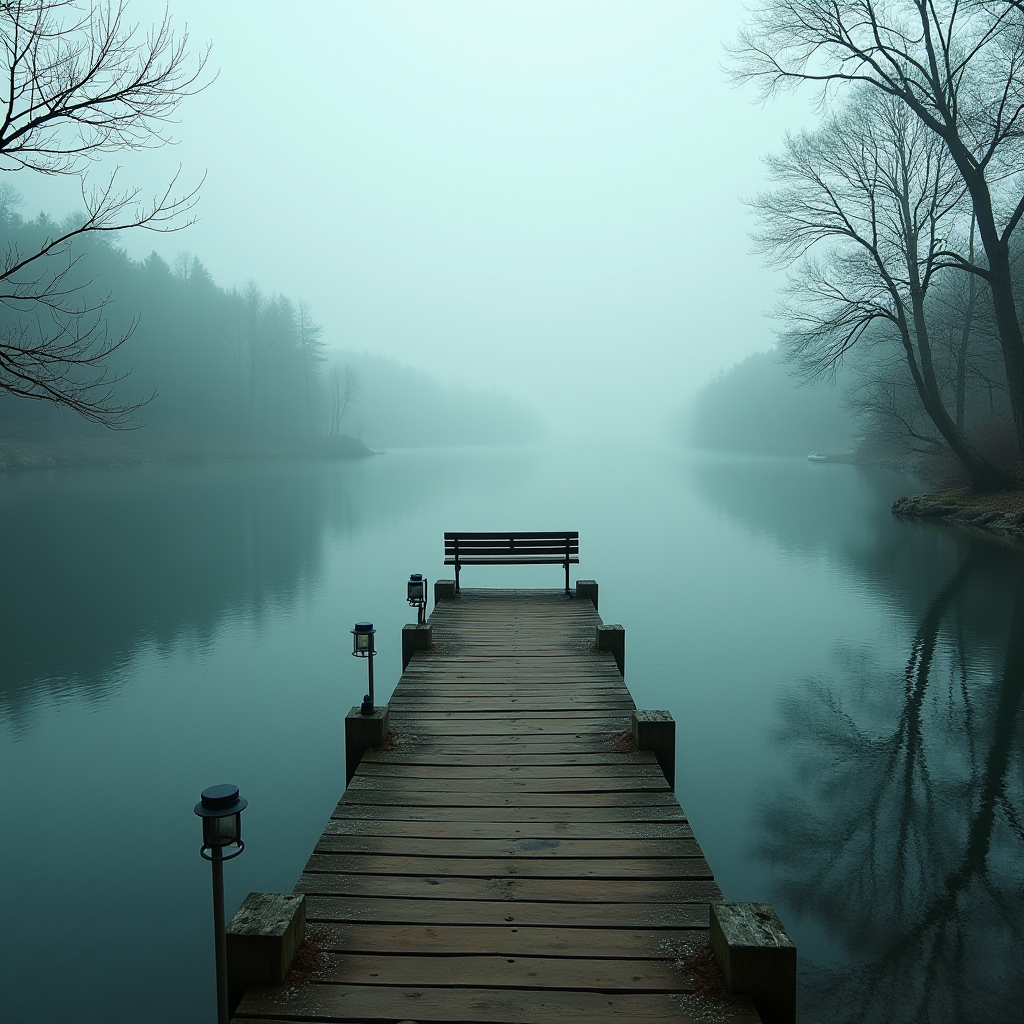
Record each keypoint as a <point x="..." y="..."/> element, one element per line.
<point x="255" y="338"/>
<point x="310" y="335"/>
<point x="80" y="81"/>
<point x="958" y="67"/>
<point x="183" y="265"/>
<point x="345" y="389"/>
<point x="866" y="208"/>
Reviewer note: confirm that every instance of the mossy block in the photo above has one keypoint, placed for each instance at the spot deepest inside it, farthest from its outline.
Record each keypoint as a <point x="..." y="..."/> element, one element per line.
<point x="262" y="940"/>
<point x="613" y="638"/>
<point x="363" y="733"/>
<point x="756" y="957"/>
<point x="586" y="590"/>
<point x="415" y="637"/>
<point x="656" y="731"/>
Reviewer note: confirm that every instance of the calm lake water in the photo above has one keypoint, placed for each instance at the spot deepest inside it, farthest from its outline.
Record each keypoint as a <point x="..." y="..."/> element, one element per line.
<point x="848" y="690"/>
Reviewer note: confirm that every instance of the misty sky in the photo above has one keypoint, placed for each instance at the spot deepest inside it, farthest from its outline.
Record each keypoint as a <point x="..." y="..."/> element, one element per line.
<point x="538" y="196"/>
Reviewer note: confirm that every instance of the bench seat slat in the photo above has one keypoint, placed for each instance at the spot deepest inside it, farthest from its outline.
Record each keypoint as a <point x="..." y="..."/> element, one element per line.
<point x="512" y="560"/>
<point x="549" y="535"/>
<point x="551" y="542"/>
<point x="512" y="551"/>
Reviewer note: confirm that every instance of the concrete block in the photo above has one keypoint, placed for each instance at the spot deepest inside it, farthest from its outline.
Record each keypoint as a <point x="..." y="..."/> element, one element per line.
<point x="656" y="731"/>
<point x="756" y="957"/>
<point x="262" y="940"/>
<point x="363" y="733"/>
<point x="586" y="590"/>
<point x="444" y="590"/>
<point x="613" y="638"/>
<point x="415" y="637"/>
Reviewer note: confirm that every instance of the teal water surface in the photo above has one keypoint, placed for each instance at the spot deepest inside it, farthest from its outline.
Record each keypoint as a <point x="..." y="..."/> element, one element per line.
<point x="848" y="690"/>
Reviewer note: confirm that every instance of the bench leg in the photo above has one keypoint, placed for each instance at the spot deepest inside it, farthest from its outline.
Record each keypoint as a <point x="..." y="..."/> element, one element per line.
<point x="567" y="577"/>
<point x="457" y="588"/>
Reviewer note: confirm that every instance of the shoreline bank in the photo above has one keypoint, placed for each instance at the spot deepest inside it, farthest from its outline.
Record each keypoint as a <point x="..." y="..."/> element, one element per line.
<point x="1001" y="513"/>
<point x="129" y="448"/>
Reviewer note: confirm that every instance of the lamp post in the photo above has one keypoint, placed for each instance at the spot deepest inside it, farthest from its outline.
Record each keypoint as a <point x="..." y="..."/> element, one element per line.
<point x="221" y="808"/>
<point x="416" y="591"/>
<point x="362" y="647"/>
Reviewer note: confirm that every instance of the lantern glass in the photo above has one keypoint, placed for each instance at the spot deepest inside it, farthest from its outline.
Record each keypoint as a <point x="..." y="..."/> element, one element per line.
<point x="222" y="831"/>
<point x="416" y="587"/>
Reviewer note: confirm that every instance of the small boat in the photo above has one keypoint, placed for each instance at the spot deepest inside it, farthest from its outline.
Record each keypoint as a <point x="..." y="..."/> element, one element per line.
<point x="817" y="457"/>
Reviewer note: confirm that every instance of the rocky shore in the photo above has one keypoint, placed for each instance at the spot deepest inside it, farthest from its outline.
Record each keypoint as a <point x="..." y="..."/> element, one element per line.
<point x="1002" y="512"/>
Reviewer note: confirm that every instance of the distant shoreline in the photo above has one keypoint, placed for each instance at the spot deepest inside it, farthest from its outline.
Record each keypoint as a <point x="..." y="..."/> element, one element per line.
<point x="134" y="447"/>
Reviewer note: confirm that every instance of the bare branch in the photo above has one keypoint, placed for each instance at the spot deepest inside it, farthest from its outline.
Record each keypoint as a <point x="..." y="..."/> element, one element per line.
<point x="78" y="81"/>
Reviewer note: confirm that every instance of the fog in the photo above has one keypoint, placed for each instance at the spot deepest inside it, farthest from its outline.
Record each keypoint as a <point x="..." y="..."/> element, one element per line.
<point x="475" y="265"/>
<point x="539" y="197"/>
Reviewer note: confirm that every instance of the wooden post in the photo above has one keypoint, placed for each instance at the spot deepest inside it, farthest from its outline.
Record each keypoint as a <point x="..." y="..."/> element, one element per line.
<point x="415" y="637"/>
<point x="262" y="940"/>
<point x="444" y="590"/>
<point x="363" y="733"/>
<point x="613" y="638"/>
<point x="656" y="731"/>
<point x="756" y="957"/>
<point x="587" y="589"/>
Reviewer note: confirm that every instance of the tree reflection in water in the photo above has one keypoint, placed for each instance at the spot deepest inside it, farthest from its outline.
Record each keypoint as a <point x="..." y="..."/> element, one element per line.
<point x="899" y="830"/>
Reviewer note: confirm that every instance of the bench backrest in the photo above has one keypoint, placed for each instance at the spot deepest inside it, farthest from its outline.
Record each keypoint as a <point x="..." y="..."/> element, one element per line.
<point x="511" y="545"/>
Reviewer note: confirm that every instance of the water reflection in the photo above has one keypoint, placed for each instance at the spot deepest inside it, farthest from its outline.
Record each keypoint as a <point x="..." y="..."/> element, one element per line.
<point x="841" y="512"/>
<point x="98" y="562"/>
<point x="898" y="827"/>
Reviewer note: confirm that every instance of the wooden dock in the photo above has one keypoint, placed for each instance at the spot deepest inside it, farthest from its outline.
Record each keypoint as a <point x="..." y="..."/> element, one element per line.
<point x="513" y="859"/>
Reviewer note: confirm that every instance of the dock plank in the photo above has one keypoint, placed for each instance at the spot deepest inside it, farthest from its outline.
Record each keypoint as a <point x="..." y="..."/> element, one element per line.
<point x="510" y="860"/>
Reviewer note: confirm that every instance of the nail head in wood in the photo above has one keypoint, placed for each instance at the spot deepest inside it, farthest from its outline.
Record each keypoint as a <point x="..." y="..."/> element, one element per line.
<point x="756" y="957"/>
<point x="587" y="590"/>
<point x="415" y="637"/>
<point x="363" y="733"/>
<point x="613" y="638"/>
<point x="656" y="731"/>
<point x="262" y="940"/>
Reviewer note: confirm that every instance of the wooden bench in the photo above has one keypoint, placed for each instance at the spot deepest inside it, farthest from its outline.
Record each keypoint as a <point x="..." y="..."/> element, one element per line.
<point x="512" y="549"/>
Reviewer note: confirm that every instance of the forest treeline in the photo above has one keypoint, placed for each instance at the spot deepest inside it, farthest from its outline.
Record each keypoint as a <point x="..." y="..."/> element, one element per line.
<point x="870" y="408"/>
<point x="238" y="362"/>
<point x="755" y="406"/>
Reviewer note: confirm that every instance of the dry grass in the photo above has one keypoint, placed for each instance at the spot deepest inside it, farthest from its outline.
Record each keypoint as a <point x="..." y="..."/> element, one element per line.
<point x="623" y="743"/>
<point x="310" y="960"/>
<point x="708" y="982"/>
<point x="393" y="741"/>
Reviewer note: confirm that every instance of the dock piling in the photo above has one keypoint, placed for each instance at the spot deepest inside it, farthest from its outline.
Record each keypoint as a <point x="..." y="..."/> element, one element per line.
<point x="415" y="637"/>
<point x="613" y="638"/>
<point x="756" y="957"/>
<point x="262" y="940"/>
<point x="363" y="733"/>
<point x="656" y="731"/>
<point x="444" y="590"/>
<point x="587" y="590"/>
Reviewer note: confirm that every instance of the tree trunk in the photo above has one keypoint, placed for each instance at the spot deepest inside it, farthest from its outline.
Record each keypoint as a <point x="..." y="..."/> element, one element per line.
<point x="997" y="251"/>
<point x="985" y="476"/>
<point x="965" y="337"/>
